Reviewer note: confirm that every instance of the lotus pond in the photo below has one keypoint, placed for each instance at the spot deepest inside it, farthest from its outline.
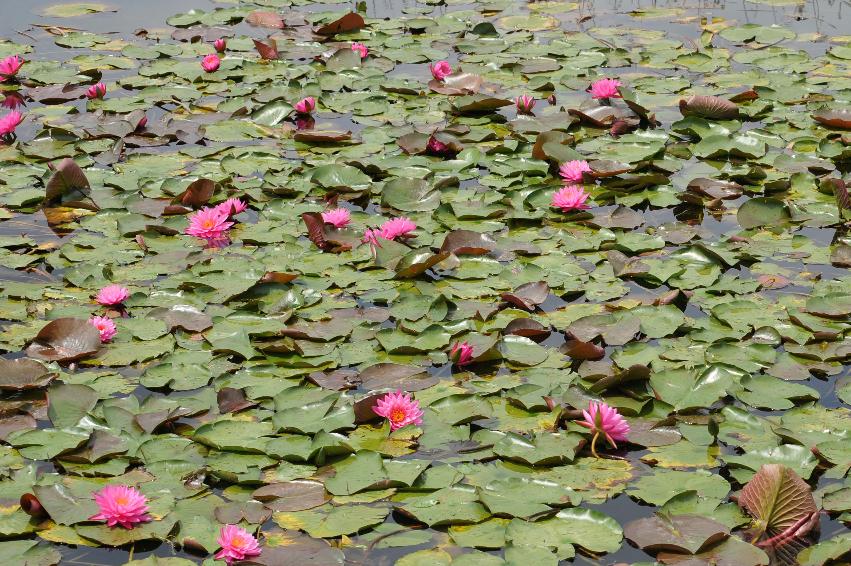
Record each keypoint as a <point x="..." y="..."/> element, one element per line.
<point x="675" y="248"/>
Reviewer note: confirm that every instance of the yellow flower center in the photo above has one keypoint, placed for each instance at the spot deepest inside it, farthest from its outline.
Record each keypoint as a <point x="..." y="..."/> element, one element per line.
<point x="121" y="500"/>
<point x="208" y="223"/>
<point x="238" y="542"/>
<point x="397" y="415"/>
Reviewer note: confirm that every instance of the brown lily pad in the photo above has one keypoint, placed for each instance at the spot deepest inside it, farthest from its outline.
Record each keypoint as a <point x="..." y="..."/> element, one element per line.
<point x="709" y="107"/>
<point x="65" y="340"/>
<point x="833" y="117"/>
<point x="182" y="316"/>
<point x="292" y="495"/>
<point x="23" y="373"/>
<point x="527" y="327"/>
<point x="263" y="19"/>
<point x="396" y="376"/>
<point x="529" y="295"/>
<point x="350" y="22"/>
<point x="268" y="50"/>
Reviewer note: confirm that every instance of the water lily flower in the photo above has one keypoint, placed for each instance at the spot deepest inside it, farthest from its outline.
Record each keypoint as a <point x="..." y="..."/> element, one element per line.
<point x="360" y="49"/>
<point x="220" y="45"/>
<point x="210" y="63"/>
<point x="12" y="100"/>
<point x="143" y="121"/>
<point x="437" y="147"/>
<point x="236" y="544"/>
<point x="9" y="122"/>
<point x="121" y="505"/>
<point x="96" y="91"/>
<point x="370" y="236"/>
<point x="571" y="171"/>
<point x="604" y="420"/>
<point x="605" y="88"/>
<point x="105" y="326"/>
<point x="112" y="295"/>
<point x="400" y="409"/>
<point x="552" y="99"/>
<point x="305" y="105"/>
<point x="232" y="206"/>
<point x="397" y="228"/>
<point x="440" y="70"/>
<point x="524" y="104"/>
<point x="571" y="197"/>
<point x="10" y="66"/>
<point x="461" y="354"/>
<point x="339" y="217"/>
<point x="209" y="222"/>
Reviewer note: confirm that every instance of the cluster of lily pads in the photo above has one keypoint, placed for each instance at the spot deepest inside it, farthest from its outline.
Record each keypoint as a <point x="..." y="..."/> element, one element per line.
<point x="286" y="287"/>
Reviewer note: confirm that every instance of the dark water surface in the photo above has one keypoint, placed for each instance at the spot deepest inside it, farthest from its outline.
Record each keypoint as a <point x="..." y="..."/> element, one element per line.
<point x="819" y="18"/>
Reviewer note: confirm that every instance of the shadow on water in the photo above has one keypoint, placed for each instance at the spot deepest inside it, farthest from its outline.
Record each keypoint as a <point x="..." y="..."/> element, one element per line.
<point x="810" y="17"/>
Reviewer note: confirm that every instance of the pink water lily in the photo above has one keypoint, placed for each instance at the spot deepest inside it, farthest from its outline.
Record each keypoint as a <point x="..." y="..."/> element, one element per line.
<point x="572" y="171"/>
<point x="437" y="147"/>
<point x="220" y="45"/>
<point x="236" y="544"/>
<point x="211" y="63"/>
<point x="143" y="121"/>
<point x="360" y="49"/>
<point x="440" y="70"/>
<point x="400" y="409"/>
<point x="605" y="88"/>
<point x="112" y="295"/>
<point x="339" y="217"/>
<point x="461" y="354"/>
<point x="209" y="222"/>
<point x="121" y="505"/>
<point x="10" y="66"/>
<point x="305" y="105"/>
<point x="9" y="122"/>
<point x="571" y="197"/>
<point x="96" y="91"/>
<point x="524" y="104"/>
<point x="604" y="420"/>
<point x="12" y="100"/>
<point x="232" y="206"/>
<point x="105" y="326"/>
<point x="397" y="228"/>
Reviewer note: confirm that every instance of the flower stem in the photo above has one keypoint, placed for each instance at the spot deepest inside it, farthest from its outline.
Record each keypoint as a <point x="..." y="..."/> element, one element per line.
<point x="594" y="445"/>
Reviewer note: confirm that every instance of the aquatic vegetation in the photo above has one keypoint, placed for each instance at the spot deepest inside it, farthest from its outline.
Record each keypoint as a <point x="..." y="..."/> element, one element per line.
<point x="209" y="222"/>
<point x="305" y="105"/>
<point x="96" y="91"/>
<point x="210" y="63"/>
<point x="339" y="217"/>
<point x="461" y="354"/>
<point x="603" y="420"/>
<point x="105" y="326"/>
<point x="524" y="104"/>
<point x="236" y="544"/>
<point x="460" y="283"/>
<point x="121" y="505"/>
<point x="573" y="171"/>
<point x="400" y="409"/>
<point x="112" y="295"/>
<point x="605" y="88"/>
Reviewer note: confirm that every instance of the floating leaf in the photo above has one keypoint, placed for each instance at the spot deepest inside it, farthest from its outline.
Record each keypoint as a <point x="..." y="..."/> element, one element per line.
<point x="781" y="504"/>
<point x="20" y="374"/>
<point x="65" y="340"/>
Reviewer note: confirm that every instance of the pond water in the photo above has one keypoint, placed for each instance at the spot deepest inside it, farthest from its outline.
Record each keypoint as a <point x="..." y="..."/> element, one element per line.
<point x="720" y="303"/>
